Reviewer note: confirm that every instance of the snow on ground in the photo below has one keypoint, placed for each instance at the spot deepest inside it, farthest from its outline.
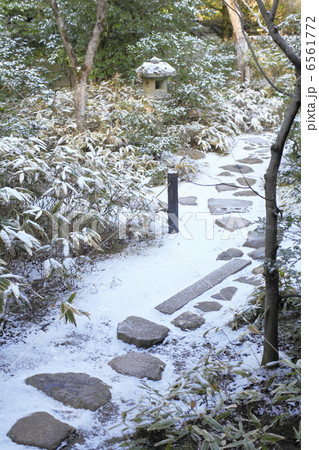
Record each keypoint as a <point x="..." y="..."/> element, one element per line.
<point x="133" y="283"/>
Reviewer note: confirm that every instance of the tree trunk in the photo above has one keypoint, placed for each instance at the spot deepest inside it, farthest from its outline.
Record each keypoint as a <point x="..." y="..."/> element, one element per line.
<point x="272" y="299"/>
<point x="80" y="102"/>
<point x="81" y="76"/>
<point x="239" y="38"/>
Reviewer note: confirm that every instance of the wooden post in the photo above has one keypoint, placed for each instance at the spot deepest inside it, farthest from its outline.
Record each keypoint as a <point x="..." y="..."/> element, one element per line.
<point x="172" y="181"/>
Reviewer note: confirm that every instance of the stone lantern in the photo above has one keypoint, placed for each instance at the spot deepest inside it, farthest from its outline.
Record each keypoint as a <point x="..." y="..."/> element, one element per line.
<point x="154" y="74"/>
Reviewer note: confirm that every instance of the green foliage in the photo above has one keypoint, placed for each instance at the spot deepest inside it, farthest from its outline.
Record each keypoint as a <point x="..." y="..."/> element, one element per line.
<point x="68" y="311"/>
<point x="203" y="408"/>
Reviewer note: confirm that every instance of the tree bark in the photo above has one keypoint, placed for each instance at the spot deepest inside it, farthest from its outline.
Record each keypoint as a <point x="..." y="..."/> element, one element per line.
<point x="239" y="38"/>
<point x="81" y="73"/>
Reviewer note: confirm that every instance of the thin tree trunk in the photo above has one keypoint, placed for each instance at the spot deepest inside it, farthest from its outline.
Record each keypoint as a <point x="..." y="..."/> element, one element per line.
<point x="272" y="299"/>
<point x="239" y="38"/>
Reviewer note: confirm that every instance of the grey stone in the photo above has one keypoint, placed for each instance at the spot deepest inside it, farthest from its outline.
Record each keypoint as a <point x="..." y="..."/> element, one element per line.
<point x="226" y="294"/>
<point x="230" y="254"/>
<point x="232" y="223"/>
<point x="255" y="239"/>
<point x="78" y="390"/>
<point x="245" y="193"/>
<point x="258" y="270"/>
<point x="41" y="430"/>
<point x="225" y="174"/>
<point x="189" y="201"/>
<point x="228" y="205"/>
<point x="180" y="299"/>
<point x="141" y="332"/>
<point x="209" y="306"/>
<point x="251" y="160"/>
<point x="140" y="365"/>
<point x="245" y="181"/>
<point x="258" y="254"/>
<point x="188" y="321"/>
<point x="240" y="168"/>
<point x="226" y="187"/>
<point x="249" y="280"/>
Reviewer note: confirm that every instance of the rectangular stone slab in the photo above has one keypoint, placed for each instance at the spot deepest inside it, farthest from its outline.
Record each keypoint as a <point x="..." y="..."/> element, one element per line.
<point x="195" y="290"/>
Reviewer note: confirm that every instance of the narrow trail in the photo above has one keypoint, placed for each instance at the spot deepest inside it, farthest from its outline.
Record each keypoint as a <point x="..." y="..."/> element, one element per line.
<point x="149" y="307"/>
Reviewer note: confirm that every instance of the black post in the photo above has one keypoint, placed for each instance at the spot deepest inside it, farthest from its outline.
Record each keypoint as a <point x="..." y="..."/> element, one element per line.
<point x="172" y="181"/>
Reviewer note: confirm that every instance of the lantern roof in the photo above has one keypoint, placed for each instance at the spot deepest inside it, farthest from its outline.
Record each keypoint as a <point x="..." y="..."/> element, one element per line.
<point x="155" y="68"/>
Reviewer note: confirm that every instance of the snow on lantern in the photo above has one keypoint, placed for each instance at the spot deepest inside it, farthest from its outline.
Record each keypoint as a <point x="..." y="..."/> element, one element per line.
<point x="154" y="74"/>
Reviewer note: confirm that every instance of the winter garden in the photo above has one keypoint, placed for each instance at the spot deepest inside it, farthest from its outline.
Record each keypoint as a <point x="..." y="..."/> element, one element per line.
<point x="84" y="242"/>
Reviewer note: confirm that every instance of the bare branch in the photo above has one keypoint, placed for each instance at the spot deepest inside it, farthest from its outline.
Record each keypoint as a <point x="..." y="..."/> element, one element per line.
<point x="96" y="35"/>
<point x="281" y="91"/>
<point x="274" y="10"/>
<point x="277" y="38"/>
<point x="64" y="35"/>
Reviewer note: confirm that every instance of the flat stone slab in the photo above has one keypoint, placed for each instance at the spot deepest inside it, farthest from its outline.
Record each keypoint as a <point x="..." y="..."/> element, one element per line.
<point x="188" y="321"/>
<point x="189" y="201"/>
<point x="225" y="174"/>
<point x="180" y="299"/>
<point x="226" y="187"/>
<point x="78" y="390"/>
<point x="140" y="365"/>
<point x="245" y="193"/>
<point x="228" y="205"/>
<point x="249" y="280"/>
<point x="240" y="168"/>
<point x="226" y="294"/>
<point x="255" y="239"/>
<point x="245" y="181"/>
<point x="232" y="223"/>
<point x="41" y="430"/>
<point x="230" y="254"/>
<point x="208" y="306"/>
<point x="251" y="160"/>
<point x="141" y="332"/>
<point x="257" y="254"/>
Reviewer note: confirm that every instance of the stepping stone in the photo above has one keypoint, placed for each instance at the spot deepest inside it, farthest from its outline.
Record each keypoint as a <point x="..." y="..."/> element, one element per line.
<point x="141" y="332"/>
<point x="251" y="160"/>
<point x="180" y="299"/>
<point x="78" y="390"/>
<point x="258" y="270"/>
<point x="226" y="294"/>
<point x="226" y="187"/>
<point x="228" y="205"/>
<point x="246" y="193"/>
<point x="189" y="201"/>
<point x="255" y="239"/>
<point x="230" y="254"/>
<point x="225" y="174"/>
<point x="246" y="181"/>
<point x="253" y="281"/>
<point x="240" y="168"/>
<point x="140" y="365"/>
<point x="232" y="223"/>
<point x="188" y="321"/>
<point x="41" y="430"/>
<point x="257" y="140"/>
<point x="209" y="306"/>
<point x="258" y="254"/>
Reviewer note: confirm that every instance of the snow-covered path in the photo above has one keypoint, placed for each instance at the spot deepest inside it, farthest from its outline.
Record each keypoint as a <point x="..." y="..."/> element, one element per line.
<point x="133" y="284"/>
